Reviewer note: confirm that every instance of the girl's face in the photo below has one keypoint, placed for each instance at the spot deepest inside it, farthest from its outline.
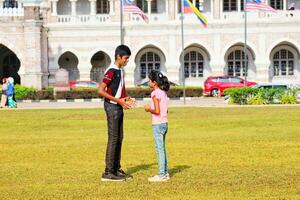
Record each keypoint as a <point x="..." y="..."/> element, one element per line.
<point x="152" y="84"/>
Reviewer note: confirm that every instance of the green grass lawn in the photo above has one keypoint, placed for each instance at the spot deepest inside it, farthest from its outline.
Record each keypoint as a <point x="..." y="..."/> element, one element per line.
<point x="214" y="153"/>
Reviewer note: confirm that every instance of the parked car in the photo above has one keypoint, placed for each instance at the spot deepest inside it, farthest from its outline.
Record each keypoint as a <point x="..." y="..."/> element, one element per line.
<point x="277" y="85"/>
<point x="83" y="84"/>
<point x="215" y="85"/>
<point x="281" y="85"/>
<point x="145" y="84"/>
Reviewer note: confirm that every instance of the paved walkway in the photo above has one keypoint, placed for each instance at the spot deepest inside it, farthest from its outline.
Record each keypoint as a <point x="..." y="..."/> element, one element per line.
<point x="190" y="102"/>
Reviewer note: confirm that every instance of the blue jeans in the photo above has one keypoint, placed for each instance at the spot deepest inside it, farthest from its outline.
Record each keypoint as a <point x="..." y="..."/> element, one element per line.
<point x="159" y="133"/>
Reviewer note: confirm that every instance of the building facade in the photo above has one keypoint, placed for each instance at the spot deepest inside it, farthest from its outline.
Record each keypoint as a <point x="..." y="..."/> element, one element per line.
<point x="39" y="37"/>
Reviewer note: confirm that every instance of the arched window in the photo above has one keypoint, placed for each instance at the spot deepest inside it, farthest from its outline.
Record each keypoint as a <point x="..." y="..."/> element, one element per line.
<point x="143" y="5"/>
<point x="102" y="7"/>
<point x="148" y="62"/>
<point x="229" y="5"/>
<point x="100" y="61"/>
<point x="277" y="4"/>
<point x="236" y="64"/>
<point x="69" y="62"/>
<point x="193" y="64"/>
<point x="283" y="62"/>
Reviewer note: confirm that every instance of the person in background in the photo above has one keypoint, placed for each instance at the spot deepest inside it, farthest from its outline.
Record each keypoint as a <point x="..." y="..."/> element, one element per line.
<point x="10" y="93"/>
<point x="4" y="96"/>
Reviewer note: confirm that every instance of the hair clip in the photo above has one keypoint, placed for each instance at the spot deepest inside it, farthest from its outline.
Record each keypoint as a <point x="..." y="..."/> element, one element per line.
<point x="160" y="75"/>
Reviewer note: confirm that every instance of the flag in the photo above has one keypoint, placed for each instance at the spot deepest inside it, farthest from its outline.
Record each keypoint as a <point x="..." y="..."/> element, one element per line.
<point x="258" y="5"/>
<point x="188" y="7"/>
<point x="130" y="7"/>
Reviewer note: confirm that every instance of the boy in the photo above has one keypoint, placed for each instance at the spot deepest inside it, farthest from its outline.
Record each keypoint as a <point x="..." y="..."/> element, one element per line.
<point x="113" y="90"/>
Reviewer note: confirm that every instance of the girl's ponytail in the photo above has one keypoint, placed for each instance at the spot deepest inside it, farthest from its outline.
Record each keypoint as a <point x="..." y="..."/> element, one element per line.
<point x="161" y="80"/>
<point x="165" y="85"/>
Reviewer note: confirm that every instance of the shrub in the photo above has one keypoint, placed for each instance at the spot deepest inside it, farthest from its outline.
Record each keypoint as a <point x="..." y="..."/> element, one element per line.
<point x="23" y="92"/>
<point x="241" y="95"/>
<point x="289" y="97"/>
<point x="256" y="96"/>
<point x="257" y="99"/>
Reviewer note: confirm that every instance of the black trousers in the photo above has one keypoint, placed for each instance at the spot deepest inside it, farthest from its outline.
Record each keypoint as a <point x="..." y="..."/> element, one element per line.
<point x="115" y="115"/>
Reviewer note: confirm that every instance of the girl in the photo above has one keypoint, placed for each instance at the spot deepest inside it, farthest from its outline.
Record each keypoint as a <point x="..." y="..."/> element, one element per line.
<point x="159" y="110"/>
<point x="4" y="96"/>
<point x="10" y="93"/>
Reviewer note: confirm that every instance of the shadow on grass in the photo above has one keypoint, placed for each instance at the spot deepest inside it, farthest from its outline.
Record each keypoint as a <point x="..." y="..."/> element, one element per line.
<point x="178" y="169"/>
<point x="137" y="168"/>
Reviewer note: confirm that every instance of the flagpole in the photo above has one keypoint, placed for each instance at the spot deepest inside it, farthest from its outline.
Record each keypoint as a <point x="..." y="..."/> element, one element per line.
<point x="245" y="44"/>
<point x="121" y="22"/>
<point x="182" y="56"/>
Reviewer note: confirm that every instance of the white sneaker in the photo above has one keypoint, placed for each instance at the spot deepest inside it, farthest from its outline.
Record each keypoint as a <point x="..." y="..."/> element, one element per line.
<point x="167" y="176"/>
<point x="158" y="178"/>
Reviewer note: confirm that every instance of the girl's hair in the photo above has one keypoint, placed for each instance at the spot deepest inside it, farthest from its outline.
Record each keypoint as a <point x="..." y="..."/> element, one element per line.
<point x="161" y="80"/>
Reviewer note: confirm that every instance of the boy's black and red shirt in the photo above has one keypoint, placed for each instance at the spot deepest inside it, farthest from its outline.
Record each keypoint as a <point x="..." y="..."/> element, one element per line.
<point x="114" y="79"/>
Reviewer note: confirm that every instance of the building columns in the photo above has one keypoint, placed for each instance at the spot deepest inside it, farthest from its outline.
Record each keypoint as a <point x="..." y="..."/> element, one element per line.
<point x="54" y="7"/>
<point x="111" y="7"/>
<point x="284" y="4"/>
<point x="149" y="8"/>
<point x="93" y="7"/>
<point x="73" y="7"/>
<point x="1" y="4"/>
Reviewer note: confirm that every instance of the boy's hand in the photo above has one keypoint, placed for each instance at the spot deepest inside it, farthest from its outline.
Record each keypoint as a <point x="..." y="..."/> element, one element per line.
<point x="131" y="101"/>
<point x="124" y="103"/>
<point x="147" y="108"/>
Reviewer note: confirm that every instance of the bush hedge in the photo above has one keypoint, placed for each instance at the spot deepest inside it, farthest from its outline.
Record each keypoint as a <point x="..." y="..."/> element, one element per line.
<point x="258" y="96"/>
<point x="136" y="92"/>
<point x="29" y="93"/>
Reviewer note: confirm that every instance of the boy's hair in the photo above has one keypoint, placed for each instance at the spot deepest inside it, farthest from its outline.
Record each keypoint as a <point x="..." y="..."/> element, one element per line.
<point x="122" y="50"/>
<point x="161" y="80"/>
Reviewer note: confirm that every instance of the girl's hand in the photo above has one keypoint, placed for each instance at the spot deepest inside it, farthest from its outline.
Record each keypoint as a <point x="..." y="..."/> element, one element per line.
<point x="147" y="108"/>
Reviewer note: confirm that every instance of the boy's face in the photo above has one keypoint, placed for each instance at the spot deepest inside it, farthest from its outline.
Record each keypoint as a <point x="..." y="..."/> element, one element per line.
<point x="122" y="61"/>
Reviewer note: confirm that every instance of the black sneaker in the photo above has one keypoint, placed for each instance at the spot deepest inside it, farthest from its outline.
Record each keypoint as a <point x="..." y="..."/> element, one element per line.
<point x="112" y="177"/>
<point x="121" y="173"/>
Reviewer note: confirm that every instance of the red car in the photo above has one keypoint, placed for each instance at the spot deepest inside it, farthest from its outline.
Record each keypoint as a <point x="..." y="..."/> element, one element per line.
<point x="215" y="85"/>
<point x="83" y="84"/>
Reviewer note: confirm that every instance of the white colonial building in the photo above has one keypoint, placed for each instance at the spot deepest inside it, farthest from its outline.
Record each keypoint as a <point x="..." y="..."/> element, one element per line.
<point x="39" y="37"/>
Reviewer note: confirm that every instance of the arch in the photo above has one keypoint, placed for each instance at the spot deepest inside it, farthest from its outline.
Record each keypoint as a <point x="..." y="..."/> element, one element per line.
<point x="64" y="7"/>
<point x="146" y="44"/>
<point x="292" y="62"/>
<point x="9" y="64"/>
<point x="201" y="68"/>
<point x="99" y="62"/>
<point x="203" y="46"/>
<point x="239" y="47"/>
<point x="288" y="42"/>
<point x="69" y="61"/>
<point x="238" y="42"/>
<point x="150" y="51"/>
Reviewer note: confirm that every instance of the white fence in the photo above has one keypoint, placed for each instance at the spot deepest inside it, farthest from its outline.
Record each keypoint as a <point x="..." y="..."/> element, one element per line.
<point x="12" y="11"/>
<point x="83" y="18"/>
